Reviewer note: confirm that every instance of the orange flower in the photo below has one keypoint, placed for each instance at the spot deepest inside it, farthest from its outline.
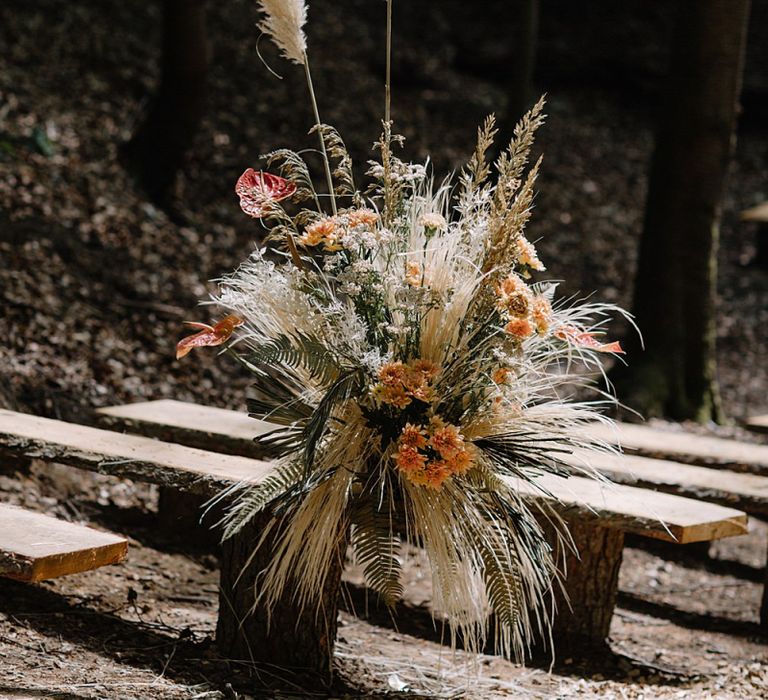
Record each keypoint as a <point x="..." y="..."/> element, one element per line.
<point x="519" y="327"/>
<point x="436" y="473"/>
<point x="413" y="436"/>
<point x="446" y="441"/>
<point x="209" y="335"/>
<point x="409" y="459"/>
<point x="541" y="314"/>
<point x="362" y="217"/>
<point x="500" y="375"/>
<point x="322" y="231"/>
<point x="392" y="373"/>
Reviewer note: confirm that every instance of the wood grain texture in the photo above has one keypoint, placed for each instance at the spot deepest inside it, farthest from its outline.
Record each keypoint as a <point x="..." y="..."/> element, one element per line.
<point x="685" y="447"/>
<point x="747" y="492"/>
<point x="129" y="456"/>
<point x="35" y="547"/>
<point x="618" y="507"/>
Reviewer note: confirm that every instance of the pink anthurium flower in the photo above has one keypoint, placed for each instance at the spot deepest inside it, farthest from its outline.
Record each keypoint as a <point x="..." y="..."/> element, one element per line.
<point x="258" y="190"/>
<point x="208" y="336"/>
<point x="587" y="340"/>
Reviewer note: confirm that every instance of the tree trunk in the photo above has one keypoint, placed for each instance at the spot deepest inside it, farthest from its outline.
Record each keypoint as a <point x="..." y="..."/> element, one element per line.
<point x="156" y="151"/>
<point x="674" y="300"/>
<point x="288" y="646"/>
<point x="585" y="608"/>
<point x="182" y="514"/>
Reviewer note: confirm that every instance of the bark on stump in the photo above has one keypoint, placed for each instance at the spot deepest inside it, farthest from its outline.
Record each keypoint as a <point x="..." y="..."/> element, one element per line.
<point x="288" y="646"/>
<point x="764" y="602"/>
<point x="583" y="618"/>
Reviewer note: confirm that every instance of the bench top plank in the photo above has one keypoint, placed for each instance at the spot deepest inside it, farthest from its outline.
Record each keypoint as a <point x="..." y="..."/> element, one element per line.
<point x="35" y="547"/>
<point x="204" y="427"/>
<point x="130" y="456"/>
<point x="748" y="492"/>
<point x="630" y="509"/>
<point x="758" y="423"/>
<point x="685" y="447"/>
<point x="757" y="213"/>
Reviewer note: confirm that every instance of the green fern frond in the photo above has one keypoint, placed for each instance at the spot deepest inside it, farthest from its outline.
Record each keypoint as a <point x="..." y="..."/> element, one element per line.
<point x="299" y="350"/>
<point x="347" y="386"/>
<point x="377" y="550"/>
<point x="253" y="499"/>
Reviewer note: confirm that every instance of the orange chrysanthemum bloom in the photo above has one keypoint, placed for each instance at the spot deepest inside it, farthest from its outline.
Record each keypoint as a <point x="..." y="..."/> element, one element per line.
<point x="514" y="298"/>
<point x="520" y="328"/>
<point x="446" y="441"/>
<point x="413" y="436"/>
<point x="392" y="373"/>
<point x="321" y="231"/>
<point x="500" y="375"/>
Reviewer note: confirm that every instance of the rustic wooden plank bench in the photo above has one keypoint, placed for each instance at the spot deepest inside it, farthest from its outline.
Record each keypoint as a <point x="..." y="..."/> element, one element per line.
<point x="686" y="448"/>
<point x="36" y="547"/>
<point x="758" y="424"/>
<point x="598" y="516"/>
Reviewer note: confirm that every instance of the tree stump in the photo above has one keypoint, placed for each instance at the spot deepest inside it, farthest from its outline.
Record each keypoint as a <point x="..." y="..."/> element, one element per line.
<point x="764" y="602"/>
<point x="585" y="608"/>
<point x="182" y="513"/>
<point x="288" y="646"/>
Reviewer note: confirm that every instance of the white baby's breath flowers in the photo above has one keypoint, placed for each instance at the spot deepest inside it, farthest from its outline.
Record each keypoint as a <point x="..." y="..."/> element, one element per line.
<point x="284" y="22"/>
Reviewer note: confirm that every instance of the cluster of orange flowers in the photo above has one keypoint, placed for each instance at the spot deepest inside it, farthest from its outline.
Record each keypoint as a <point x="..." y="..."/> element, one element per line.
<point x="526" y="313"/>
<point x="400" y="383"/>
<point x="449" y="453"/>
<point x="330" y="230"/>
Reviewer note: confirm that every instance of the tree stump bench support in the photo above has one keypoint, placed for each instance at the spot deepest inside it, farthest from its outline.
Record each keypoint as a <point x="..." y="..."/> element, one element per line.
<point x="599" y="513"/>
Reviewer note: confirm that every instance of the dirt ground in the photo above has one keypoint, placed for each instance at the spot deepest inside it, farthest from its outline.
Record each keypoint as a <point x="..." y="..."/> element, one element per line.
<point x="95" y="281"/>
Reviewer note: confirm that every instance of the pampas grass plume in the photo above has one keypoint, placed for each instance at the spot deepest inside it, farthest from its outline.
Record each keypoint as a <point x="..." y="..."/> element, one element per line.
<point x="284" y="21"/>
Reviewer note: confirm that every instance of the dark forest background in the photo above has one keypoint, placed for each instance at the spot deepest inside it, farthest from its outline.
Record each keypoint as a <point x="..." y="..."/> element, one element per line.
<point x="103" y="256"/>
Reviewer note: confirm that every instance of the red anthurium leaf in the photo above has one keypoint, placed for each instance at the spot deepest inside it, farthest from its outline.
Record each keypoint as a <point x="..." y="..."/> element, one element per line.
<point x="587" y="340"/>
<point x="258" y="190"/>
<point x="209" y="336"/>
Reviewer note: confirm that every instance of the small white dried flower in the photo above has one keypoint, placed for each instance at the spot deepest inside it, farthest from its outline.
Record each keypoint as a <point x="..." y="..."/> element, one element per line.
<point x="284" y="21"/>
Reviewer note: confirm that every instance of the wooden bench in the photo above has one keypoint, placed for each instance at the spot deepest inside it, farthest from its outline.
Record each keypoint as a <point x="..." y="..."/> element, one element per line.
<point x="685" y="447"/>
<point x="758" y="424"/>
<point x="599" y="515"/>
<point x="759" y="215"/>
<point x="36" y="547"/>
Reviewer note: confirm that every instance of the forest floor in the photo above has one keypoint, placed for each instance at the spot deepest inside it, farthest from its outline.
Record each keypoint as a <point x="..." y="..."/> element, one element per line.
<point x="96" y="280"/>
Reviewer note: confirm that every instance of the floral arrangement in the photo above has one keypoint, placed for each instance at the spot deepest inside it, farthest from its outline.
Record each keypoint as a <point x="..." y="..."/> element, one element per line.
<point x="413" y="367"/>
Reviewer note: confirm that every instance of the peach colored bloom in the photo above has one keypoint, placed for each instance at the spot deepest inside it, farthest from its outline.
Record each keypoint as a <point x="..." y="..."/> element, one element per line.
<point x="541" y="314"/>
<point x="392" y="373"/>
<point x="413" y="274"/>
<point x="436" y="473"/>
<point x="433" y="221"/>
<point x="362" y="217"/>
<point x="413" y="436"/>
<point x="520" y="328"/>
<point x="409" y="459"/>
<point x="527" y="255"/>
<point x="500" y="375"/>
<point x="321" y="231"/>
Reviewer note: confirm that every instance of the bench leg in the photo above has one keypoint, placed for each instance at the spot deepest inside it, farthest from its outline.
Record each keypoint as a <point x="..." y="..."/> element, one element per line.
<point x="179" y="512"/>
<point x="583" y="618"/>
<point x="287" y="645"/>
